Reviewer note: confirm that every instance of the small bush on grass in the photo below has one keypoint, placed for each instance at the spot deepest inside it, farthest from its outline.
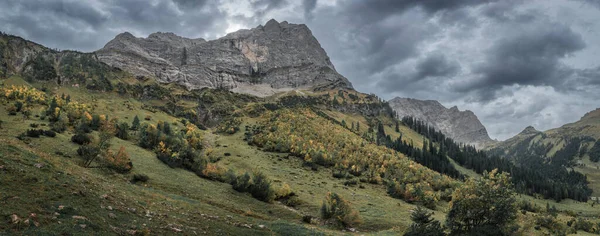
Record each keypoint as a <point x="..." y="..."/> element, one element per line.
<point x="259" y="186"/>
<point x="140" y="178"/>
<point x="81" y="139"/>
<point x="339" y="211"/>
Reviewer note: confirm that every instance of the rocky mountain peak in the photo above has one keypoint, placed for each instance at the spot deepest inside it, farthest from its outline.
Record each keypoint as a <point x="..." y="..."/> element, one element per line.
<point x="262" y="61"/>
<point x="462" y="126"/>
<point x="529" y="130"/>
<point x="595" y="114"/>
<point x="124" y="36"/>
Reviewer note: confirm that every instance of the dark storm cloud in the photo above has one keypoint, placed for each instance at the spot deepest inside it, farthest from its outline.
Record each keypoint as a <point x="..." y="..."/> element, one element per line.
<point x="309" y="6"/>
<point x="264" y="6"/>
<point x="531" y="57"/>
<point x="373" y="11"/>
<point x="388" y="32"/>
<point x="434" y="66"/>
<point x="88" y="26"/>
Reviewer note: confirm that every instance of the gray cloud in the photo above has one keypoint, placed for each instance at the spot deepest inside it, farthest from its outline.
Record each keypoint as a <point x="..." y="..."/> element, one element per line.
<point x="512" y="62"/>
<point x="309" y="6"/>
<point x="531" y="57"/>
<point x="433" y="67"/>
<point x="85" y="26"/>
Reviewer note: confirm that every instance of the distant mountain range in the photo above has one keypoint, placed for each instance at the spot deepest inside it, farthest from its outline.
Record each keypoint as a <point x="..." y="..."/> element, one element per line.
<point x="581" y="135"/>
<point x="462" y="126"/>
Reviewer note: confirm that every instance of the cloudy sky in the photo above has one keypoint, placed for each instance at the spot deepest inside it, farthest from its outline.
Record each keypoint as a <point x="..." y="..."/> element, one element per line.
<point x="513" y="62"/>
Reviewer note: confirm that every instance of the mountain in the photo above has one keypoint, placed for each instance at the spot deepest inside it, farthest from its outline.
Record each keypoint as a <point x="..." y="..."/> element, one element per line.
<point x="572" y="141"/>
<point x="260" y="61"/>
<point x="462" y="126"/>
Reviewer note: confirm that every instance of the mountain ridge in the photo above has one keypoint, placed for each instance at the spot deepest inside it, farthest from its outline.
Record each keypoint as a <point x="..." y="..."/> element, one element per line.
<point x="247" y="61"/>
<point x="462" y="126"/>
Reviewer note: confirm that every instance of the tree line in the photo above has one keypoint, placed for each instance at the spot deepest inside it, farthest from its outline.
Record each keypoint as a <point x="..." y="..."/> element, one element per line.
<point x="549" y="179"/>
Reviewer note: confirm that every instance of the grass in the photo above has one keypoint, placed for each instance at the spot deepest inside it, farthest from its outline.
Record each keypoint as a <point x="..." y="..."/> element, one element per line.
<point x="176" y="199"/>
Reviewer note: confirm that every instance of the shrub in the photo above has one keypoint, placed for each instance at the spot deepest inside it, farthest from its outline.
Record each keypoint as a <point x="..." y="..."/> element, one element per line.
<point x="34" y="125"/>
<point x="549" y="222"/>
<point x="229" y="126"/>
<point x="140" y="178"/>
<point x="148" y="117"/>
<point x="49" y="133"/>
<point x="83" y="127"/>
<point x="585" y="225"/>
<point x="89" y="153"/>
<point x="261" y="188"/>
<point x="241" y="183"/>
<point x="59" y="126"/>
<point x="119" y="162"/>
<point x="339" y="211"/>
<point x="34" y="133"/>
<point x="307" y="219"/>
<point x="81" y="139"/>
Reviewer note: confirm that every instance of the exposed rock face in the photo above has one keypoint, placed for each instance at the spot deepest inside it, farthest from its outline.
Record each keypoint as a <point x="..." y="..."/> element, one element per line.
<point x="462" y="126"/>
<point x="260" y="61"/>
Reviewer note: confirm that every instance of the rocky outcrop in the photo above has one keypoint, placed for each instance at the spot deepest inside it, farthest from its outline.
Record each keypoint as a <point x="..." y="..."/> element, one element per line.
<point x="462" y="126"/>
<point x="260" y="61"/>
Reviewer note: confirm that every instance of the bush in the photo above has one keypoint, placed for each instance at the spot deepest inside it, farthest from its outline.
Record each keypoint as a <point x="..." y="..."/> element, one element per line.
<point x="89" y="153"/>
<point x="585" y="225"/>
<point x="307" y="219"/>
<point x="229" y="126"/>
<point x="59" y="126"/>
<point x="49" y="133"/>
<point x="339" y="211"/>
<point x="261" y="188"/>
<point x="119" y="162"/>
<point x="241" y="183"/>
<point x="549" y="222"/>
<point x="83" y="127"/>
<point x="34" y="133"/>
<point x="81" y="139"/>
<point x="140" y="178"/>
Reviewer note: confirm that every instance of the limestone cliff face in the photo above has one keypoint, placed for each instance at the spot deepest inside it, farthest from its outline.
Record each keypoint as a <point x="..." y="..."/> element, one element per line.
<point x="259" y="61"/>
<point x="462" y="126"/>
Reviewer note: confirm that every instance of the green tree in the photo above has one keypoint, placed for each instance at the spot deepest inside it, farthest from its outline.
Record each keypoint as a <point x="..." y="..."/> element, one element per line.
<point x="483" y="206"/>
<point x="135" y="125"/>
<point x="122" y="131"/>
<point x="423" y="224"/>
